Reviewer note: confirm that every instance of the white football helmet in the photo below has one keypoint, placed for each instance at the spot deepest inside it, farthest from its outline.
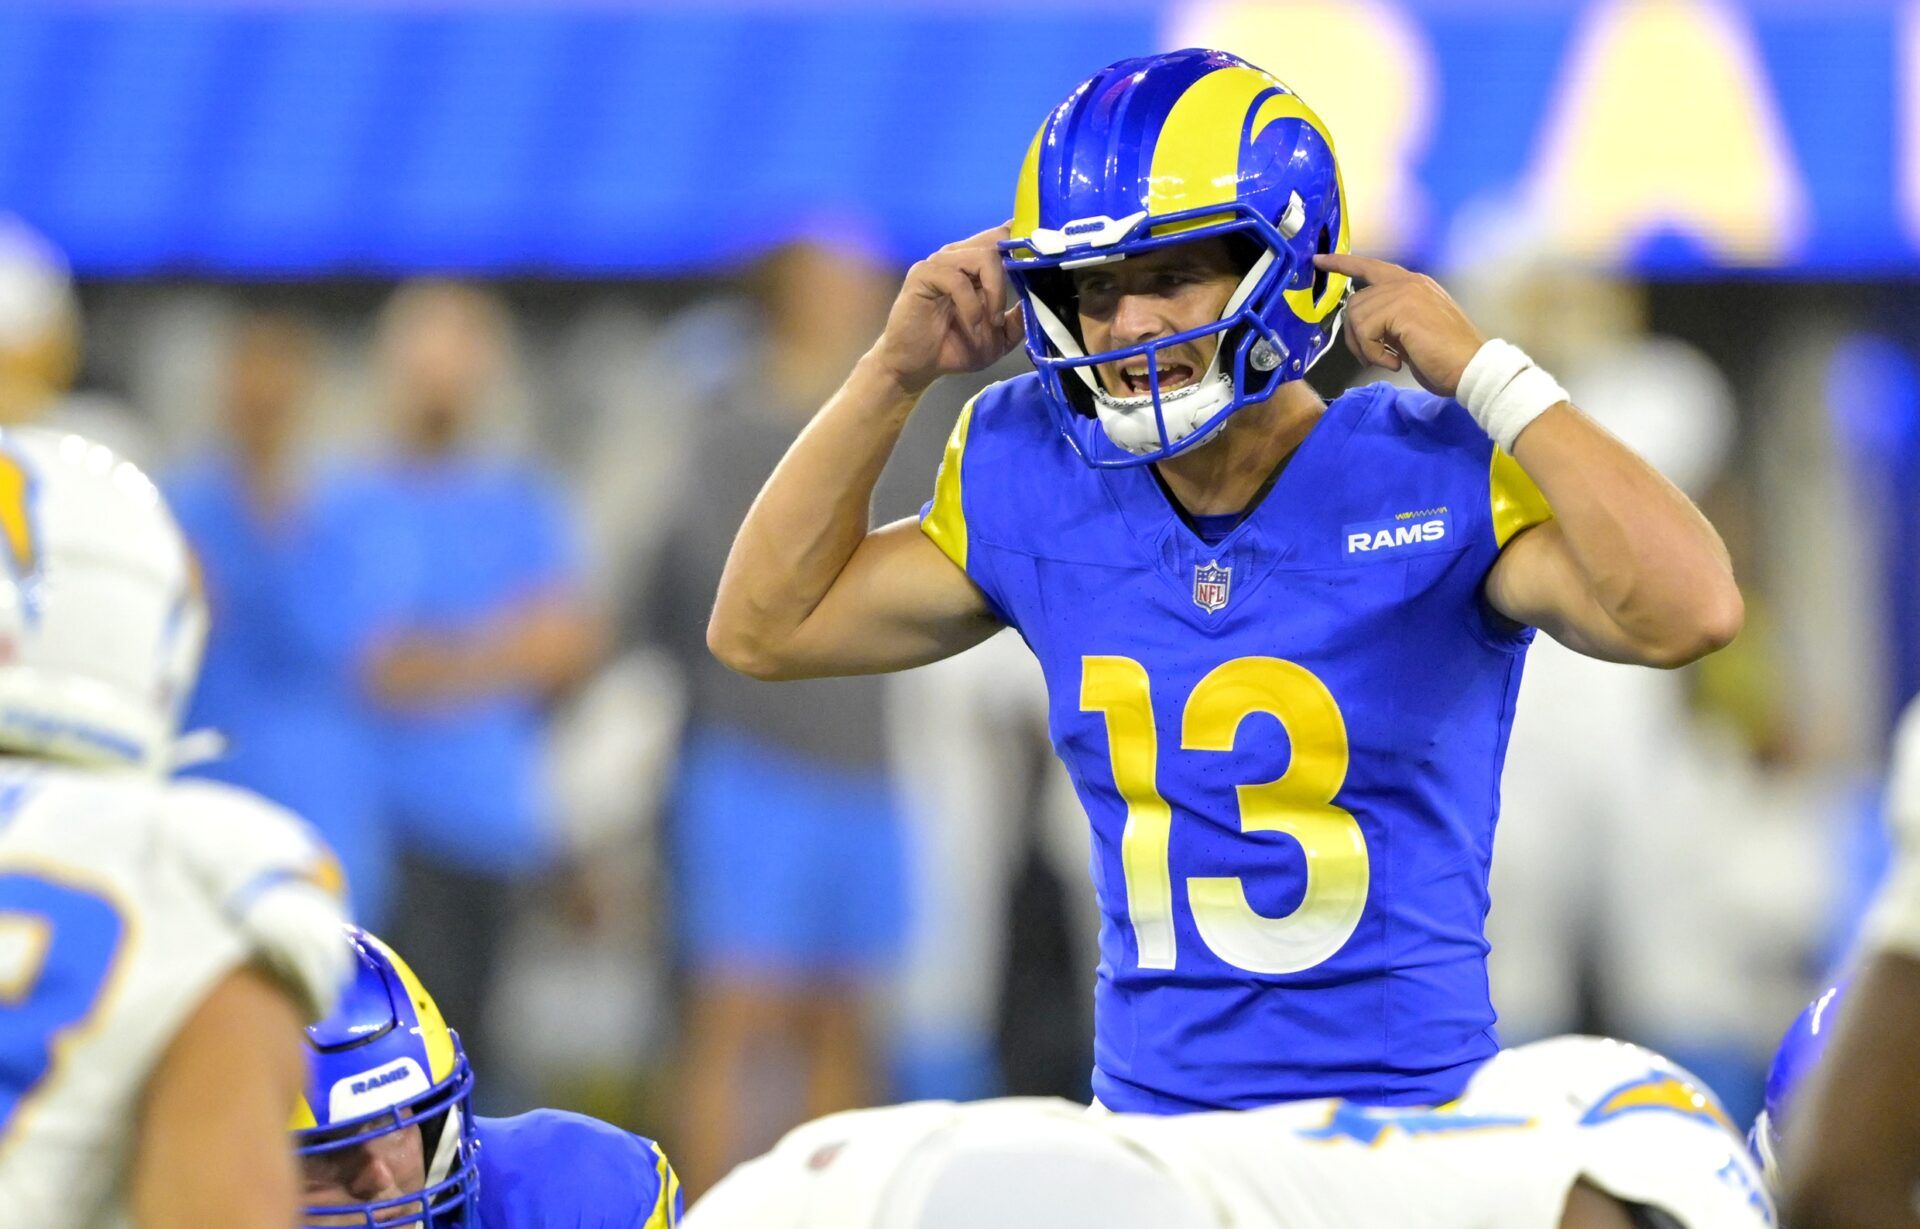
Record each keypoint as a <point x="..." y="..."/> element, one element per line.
<point x="102" y="619"/>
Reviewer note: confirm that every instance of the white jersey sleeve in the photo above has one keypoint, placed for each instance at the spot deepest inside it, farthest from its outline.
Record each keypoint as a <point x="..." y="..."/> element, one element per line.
<point x="123" y="901"/>
<point x="1534" y="1122"/>
<point x="1894" y="924"/>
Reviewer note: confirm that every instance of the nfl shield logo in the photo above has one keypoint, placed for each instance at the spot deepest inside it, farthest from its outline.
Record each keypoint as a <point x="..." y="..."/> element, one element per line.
<point x="1210" y="583"/>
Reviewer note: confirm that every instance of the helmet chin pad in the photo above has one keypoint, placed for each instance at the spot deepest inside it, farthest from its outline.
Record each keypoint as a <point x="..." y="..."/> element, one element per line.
<point x="1155" y="420"/>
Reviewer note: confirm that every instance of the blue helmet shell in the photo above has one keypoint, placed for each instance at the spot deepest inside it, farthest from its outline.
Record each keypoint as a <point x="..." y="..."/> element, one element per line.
<point x="1801" y="1048"/>
<point x="383" y="1062"/>
<point x="1169" y="149"/>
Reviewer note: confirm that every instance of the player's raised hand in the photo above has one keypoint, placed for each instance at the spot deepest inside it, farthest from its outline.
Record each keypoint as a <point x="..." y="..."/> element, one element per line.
<point x="952" y="314"/>
<point x="1400" y="317"/>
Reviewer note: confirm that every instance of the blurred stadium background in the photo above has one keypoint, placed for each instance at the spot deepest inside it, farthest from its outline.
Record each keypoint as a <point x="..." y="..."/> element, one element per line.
<point x="463" y="332"/>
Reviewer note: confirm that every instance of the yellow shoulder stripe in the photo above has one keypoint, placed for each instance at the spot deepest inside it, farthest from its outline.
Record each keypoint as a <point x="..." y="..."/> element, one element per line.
<point x="946" y="520"/>
<point x="666" y="1207"/>
<point x="1517" y="503"/>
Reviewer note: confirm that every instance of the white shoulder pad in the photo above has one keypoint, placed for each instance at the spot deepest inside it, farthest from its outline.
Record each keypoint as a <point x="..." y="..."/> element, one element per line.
<point x="1701" y="1176"/>
<point x="272" y="876"/>
<point x="1644" y="1128"/>
<point x="832" y="1172"/>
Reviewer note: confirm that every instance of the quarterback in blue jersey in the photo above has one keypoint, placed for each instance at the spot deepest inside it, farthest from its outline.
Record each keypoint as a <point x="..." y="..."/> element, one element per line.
<point x="385" y="1136"/>
<point x="1281" y="638"/>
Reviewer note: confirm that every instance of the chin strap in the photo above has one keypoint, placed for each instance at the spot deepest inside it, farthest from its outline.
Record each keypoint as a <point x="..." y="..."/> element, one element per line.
<point x="447" y="1151"/>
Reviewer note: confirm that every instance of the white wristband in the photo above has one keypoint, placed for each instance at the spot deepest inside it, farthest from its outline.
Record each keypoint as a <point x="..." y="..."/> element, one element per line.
<point x="1505" y="391"/>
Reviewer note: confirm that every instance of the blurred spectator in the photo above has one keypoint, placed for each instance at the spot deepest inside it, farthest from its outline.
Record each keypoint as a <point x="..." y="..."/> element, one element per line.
<point x="293" y="575"/>
<point x="40" y="348"/>
<point x="787" y="862"/>
<point x="493" y="623"/>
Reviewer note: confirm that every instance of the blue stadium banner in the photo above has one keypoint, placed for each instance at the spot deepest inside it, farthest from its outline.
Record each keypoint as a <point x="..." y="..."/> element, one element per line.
<point x="278" y="138"/>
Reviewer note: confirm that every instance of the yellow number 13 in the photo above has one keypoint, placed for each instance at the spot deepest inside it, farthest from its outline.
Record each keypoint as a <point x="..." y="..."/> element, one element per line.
<point x="1299" y="804"/>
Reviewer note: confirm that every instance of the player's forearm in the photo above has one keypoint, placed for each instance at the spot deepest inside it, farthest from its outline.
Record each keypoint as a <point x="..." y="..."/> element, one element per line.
<point x="1644" y="553"/>
<point x="212" y="1150"/>
<point x="807" y="522"/>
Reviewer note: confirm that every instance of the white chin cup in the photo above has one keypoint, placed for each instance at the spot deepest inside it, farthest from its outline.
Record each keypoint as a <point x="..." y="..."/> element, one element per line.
<point x="1129" y="421"/>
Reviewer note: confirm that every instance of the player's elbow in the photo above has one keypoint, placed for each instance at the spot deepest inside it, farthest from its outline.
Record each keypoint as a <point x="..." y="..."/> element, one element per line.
<point x="742" y="652"/>
<point x="1706" y="623"/>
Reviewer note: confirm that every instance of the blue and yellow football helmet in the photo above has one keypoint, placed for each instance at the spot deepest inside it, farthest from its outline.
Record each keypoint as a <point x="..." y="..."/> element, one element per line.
<point x="384" y="1062"/>
<point x="1172" y="149"/>
<point x="1800" y="1049"/>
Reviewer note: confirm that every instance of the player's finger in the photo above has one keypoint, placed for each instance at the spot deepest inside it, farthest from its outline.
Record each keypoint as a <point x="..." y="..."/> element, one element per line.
<point x="988" y="238"/>
<point x="960" y="291"/>
<point x="1013" y="325"/>
<point x="1369" y="334"/>
<point x="983" y="266"/>
<point x="1367" y="270"/>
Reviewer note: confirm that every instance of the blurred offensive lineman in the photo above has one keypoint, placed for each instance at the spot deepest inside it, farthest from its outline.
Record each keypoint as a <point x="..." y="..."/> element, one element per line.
<point x="1282" y="639"/>
<point x="161" y="943"/>
<point x="386" y="1137"/>
<point x="1577" y="1132"/>
<point x="1850" y="1157"/>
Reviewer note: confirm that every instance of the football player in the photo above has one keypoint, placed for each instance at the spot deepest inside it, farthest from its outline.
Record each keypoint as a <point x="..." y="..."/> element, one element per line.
<point x="162" y="943"/>
<point x="1282" y="639"/>
<point x="1850" y="1156"/>
<point x="386" y="1137"/>
<point x="1573" y="1132"/>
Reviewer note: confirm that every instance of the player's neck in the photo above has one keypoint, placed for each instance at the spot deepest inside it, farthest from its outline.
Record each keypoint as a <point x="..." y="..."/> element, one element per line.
<point x="1225" y="474"/>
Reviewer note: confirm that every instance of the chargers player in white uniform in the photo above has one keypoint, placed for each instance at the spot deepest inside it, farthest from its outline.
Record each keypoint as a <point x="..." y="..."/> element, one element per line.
<point x="1850" y="1157"/>
<point x="161" y="943"/>
<point x="1573" y="1133"/>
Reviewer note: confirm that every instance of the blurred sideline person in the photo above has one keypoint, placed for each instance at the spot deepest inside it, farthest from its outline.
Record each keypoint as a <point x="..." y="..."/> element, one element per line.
<point x="290" y="561"/>
<point x="785" y="831"/>
<point x="1282" y="638"/>
<point x="161" y="942"/>
<point x="493" y="620"/>
<point x="386" y="1136"/>
<point x="40" y="336"/>
<point x="1850" y="1153"/>
<point x="1577" y="1132"/>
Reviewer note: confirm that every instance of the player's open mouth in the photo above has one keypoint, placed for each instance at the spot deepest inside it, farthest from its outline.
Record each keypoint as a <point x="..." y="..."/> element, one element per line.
<point x="1138" y="383"/>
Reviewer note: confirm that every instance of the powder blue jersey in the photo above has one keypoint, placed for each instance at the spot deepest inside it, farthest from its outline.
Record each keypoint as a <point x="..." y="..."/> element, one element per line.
<point x="1289" y="743"/>
<point x="550" y="1169"/>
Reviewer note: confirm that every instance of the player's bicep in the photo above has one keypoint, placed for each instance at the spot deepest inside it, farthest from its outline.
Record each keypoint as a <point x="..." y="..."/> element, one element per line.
<point x="1535" y="582"/>
<point x="899" y="602"/>
<point x="212" y="1150"/>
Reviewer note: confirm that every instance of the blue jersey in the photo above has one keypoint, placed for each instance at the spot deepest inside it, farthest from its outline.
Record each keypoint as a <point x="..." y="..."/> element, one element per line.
<point x="1289" y="743"/>
<point x="550" y="1169"/>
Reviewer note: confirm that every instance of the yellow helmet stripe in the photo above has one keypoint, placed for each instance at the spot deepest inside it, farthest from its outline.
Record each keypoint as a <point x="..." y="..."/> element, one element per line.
<point x="1196" y="161"/>
<point x="1026" y="192"/>
<point x="303" y="1119"/>
<point x="1196" y="157"/>
<point x="433" y="1028"/>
